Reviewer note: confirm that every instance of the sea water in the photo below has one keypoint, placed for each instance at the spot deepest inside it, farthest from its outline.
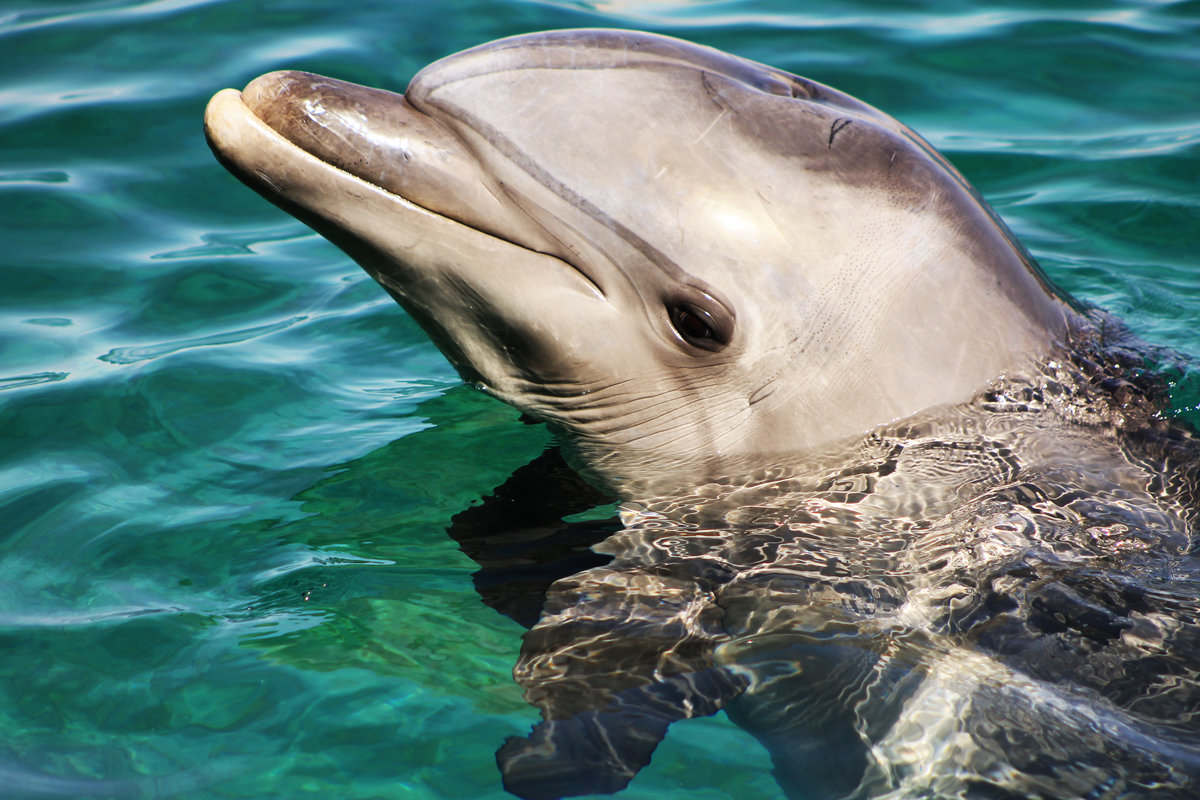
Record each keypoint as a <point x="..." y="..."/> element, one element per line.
<point x="228" y="460"/>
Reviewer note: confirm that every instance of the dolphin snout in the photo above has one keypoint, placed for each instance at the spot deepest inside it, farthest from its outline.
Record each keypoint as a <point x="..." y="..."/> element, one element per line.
<point x="380" y="137"/>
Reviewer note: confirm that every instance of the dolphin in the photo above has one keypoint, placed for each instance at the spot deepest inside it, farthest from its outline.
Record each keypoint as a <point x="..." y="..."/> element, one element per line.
<point x="603" y="228"/>
<point x="904" y="510"/>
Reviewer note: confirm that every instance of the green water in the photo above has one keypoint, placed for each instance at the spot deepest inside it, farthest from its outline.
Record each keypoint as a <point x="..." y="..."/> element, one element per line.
<point x="227" y="460"/>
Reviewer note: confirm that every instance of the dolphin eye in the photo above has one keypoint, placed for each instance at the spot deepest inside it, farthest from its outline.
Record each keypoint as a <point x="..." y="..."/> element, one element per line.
<point x="692" y="325"/>
<point x="699" y="327"/>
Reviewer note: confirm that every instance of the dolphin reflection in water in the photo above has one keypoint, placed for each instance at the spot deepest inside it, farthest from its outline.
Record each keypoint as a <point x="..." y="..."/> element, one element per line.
<point x="907" y="513"/>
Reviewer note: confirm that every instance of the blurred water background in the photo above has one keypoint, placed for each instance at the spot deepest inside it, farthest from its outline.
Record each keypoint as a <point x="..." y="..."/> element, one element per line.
<point x="227" y="459"/>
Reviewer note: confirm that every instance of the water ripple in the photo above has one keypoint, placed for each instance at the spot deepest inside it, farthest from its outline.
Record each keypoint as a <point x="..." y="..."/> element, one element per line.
<point x="33" y="379"/>
<point x="66" y="618"/>
<point x="132" y="355"/>
<point x="114" y="11"/>
<point x="925" y="25"/>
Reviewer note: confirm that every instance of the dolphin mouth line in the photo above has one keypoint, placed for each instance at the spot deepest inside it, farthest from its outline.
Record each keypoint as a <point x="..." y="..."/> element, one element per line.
<point x="230" y="117"/>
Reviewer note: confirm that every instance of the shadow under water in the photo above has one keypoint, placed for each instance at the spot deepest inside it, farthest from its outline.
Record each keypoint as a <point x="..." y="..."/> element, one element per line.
<point x="996" y="600"/>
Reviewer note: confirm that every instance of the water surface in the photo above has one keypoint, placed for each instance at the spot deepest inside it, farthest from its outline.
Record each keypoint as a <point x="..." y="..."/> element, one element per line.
<point x="227" y="459"/>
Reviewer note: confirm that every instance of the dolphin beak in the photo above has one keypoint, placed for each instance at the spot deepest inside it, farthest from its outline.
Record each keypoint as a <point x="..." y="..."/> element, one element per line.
<point x="379" y="137"/>
<point x="402" y="196"/>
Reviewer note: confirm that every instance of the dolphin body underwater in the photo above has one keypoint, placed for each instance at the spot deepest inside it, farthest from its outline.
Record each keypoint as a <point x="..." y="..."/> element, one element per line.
<point x="908" y="514"/>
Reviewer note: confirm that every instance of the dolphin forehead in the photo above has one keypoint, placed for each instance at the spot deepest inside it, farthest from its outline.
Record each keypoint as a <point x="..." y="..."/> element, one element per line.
<point x="734" y="170"/>
<point x="583" y="81"/>
<point x="599" y="49"/>
<point x="674" y="141"/>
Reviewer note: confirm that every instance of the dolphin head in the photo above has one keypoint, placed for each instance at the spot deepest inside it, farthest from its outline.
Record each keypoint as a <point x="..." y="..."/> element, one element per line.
<point x="680" y="259"/>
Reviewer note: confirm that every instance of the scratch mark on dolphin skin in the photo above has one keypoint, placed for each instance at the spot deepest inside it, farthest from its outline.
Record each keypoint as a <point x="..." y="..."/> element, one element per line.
<point x="265" y="178"/>
<point x="764" y="203"/>
<point x="838" y="126"/>
<point x="724" y="113"/>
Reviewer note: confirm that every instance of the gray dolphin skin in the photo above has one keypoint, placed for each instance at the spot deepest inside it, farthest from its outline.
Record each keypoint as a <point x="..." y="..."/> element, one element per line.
<point x="911" y="517"/>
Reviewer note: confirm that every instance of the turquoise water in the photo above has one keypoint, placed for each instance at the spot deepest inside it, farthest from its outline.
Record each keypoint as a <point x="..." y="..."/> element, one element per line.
<point x="227" y="460"/>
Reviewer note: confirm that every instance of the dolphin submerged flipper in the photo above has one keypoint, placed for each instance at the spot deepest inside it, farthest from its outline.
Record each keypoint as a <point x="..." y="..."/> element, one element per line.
<point x="616" y="658"/>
